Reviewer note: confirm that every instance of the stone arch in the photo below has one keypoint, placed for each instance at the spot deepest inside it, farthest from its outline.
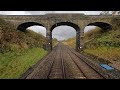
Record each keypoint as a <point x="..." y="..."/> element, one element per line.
<point x="103" y="25"/>
<point x="76" y="27"/>
<point x="24" y="26"/>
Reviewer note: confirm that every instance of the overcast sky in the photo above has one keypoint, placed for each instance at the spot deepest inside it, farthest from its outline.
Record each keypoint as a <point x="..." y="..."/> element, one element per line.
<point x="61" y="32"/>
<point x="45" y="12"/>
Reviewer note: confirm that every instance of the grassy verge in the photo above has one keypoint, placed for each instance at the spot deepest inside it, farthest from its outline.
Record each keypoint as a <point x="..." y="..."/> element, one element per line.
<point x="54" y="42"/>
<point x="70" y="42"/>
<point x="107" y="53"/>
<point x="13" y="64"/>
<point x="105" y="45"/>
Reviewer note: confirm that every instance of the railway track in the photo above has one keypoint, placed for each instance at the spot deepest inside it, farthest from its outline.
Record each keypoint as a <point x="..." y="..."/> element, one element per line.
<point x="106" y="74"/>
<point x="63" y="67"/>
<point x="40" y="70"/>
<point x="64" y="63"/>
<point x="87" y="71"/>
<point x="57" y="67"/>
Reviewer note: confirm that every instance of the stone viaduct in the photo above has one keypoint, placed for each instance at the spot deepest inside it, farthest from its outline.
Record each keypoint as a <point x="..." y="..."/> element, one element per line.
<point x="50" y="21"/>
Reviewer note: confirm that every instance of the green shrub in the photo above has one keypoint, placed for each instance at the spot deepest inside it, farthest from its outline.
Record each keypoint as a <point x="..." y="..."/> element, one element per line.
<point x="11" y="39"/>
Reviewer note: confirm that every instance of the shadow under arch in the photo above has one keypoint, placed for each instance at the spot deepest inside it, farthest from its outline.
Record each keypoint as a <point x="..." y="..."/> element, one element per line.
<point x="22" y="27"/>
<point x="76" y="27"/>
<point x="103" y="25"/>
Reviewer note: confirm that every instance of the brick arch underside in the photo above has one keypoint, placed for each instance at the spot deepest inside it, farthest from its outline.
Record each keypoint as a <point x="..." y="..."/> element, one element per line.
<point x="103" y="25"/>
<point x="24" y="26"/>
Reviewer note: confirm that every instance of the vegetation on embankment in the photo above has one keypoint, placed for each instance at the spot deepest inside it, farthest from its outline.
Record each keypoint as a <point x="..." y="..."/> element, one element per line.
<point x="14" y="64"/>
<point x="18" y="50"/>
<point x="54" y="42"/>
<point x="71" y="42"/>
<point x="17" y="40"/>
<point x="105" y="45"/>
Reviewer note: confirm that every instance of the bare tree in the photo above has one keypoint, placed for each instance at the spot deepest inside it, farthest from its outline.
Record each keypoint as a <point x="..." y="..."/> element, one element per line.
<point x="110" y="13"/>
<point x="104" y="13"/>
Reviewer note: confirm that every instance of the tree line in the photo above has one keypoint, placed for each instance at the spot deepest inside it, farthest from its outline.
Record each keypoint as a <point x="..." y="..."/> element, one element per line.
<point x="110" y="13"/>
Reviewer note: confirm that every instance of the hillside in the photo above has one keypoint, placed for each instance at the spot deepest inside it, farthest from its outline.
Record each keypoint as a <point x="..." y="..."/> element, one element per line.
<point x="18" y="50"/>
<point x="106" y="46"/>
<point x="103" y="45"/>
<point x="54" y="42"/>
<point x="11" y="40"/>
<point x="71" y="42"/>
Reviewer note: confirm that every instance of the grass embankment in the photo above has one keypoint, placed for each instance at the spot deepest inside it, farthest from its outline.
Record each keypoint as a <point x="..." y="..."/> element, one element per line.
<point x="54" y="42"/>
<point x="70" y="42"/>
<point x="14" y="64"/>
<point x="106" y="46"/>
<point x="103" y="44"/>
<point x="107" y="53"/>
<point x="18" y="50"/>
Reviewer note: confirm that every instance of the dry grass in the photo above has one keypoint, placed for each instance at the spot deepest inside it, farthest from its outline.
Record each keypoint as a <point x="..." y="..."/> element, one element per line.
<point x="11" y="39"/>
<point x="107" y="53"/>
<point x="70" y="42"/>
<point x="14" y="64"/>
<point x="54" y="42"/>
<point x="18" y="50"/>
